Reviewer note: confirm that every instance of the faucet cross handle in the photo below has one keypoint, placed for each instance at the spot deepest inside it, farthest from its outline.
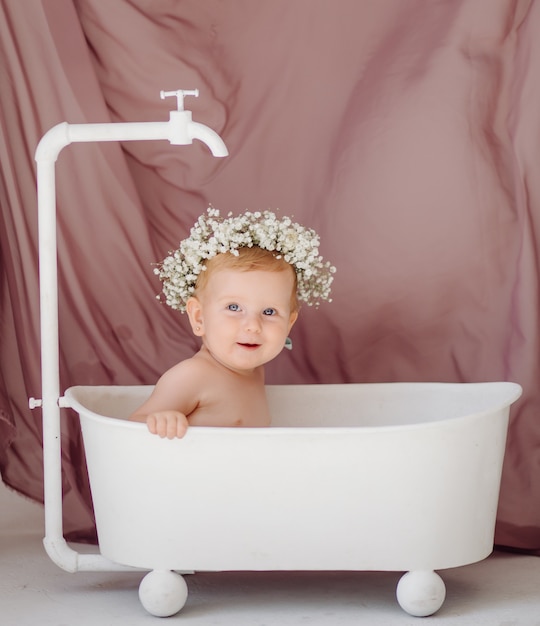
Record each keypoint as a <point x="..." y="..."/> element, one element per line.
<point x="179" y="94"/>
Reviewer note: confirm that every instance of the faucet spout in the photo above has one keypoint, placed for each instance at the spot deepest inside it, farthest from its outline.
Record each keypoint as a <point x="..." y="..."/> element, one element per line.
<point x="183" y="130"/>
<point x="208" y="136"/>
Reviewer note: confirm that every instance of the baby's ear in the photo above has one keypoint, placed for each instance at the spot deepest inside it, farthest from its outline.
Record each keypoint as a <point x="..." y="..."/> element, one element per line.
<point x="194" y="311"/>
<point x="292" y="319"/>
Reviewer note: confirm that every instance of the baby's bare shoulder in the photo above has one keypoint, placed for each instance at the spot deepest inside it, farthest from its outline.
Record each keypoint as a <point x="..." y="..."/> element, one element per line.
<point x="187" y="371"/>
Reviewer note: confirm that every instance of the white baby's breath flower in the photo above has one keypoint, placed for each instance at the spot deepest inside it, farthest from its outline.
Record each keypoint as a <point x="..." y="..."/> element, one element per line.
<point x="212" y="235"/>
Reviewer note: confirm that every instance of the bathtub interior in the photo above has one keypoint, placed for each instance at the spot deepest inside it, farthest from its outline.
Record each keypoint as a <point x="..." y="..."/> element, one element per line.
<point x="333" y="405"/>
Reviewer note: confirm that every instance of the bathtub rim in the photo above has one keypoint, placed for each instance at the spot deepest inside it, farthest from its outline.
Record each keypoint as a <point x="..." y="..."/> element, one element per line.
<point x="72" y="402"/>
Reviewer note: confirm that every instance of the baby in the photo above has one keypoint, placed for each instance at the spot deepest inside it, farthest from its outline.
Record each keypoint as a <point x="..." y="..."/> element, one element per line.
<point x="240" y="280"/>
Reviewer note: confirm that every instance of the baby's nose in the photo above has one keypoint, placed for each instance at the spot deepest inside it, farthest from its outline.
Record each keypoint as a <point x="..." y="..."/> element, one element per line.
<point x="253" y="324"/>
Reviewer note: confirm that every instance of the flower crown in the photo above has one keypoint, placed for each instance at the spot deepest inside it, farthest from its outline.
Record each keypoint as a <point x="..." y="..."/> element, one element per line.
<point x="212" y="235"/>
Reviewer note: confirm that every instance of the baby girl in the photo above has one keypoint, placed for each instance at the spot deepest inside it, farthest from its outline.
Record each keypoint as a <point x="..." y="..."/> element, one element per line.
<point x="240" y="280"/>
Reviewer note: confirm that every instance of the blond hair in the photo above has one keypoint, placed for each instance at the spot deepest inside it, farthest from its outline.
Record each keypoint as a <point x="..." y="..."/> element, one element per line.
<point x="248" y="260"/>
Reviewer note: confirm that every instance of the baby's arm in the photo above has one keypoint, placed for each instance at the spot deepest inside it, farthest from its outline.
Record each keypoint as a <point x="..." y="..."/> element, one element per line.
<point x="172" y="400"/>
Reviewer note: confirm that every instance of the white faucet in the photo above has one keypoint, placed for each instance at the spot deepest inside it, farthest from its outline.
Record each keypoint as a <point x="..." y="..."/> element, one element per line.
<point x="184" y="129"/>
<point x="180" y="130"/>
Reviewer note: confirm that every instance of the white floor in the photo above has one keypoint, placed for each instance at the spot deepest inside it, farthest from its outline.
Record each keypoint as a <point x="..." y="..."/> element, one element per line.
<point x="503" y="590"/>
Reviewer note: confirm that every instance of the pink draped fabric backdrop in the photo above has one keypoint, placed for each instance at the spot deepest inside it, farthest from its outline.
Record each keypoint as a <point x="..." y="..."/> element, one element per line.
<point x="406" y="133"/>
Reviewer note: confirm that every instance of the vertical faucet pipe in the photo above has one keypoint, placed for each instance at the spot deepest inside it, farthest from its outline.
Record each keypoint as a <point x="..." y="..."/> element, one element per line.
<point x="51" y="402"/>
<point x="179" y="130"/>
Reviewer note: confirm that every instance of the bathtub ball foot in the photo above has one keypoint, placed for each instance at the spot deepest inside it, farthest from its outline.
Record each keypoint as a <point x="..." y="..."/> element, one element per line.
<point x="421" y="593"/>
<point x="163" y="593"/>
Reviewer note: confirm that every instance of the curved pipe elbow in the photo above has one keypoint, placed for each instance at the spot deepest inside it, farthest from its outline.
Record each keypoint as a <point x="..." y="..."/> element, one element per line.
<point x="209" y="137"/>
<point x="52" y="142"/>
<point x="72" y="561"/>
<point x="61" y="554"/>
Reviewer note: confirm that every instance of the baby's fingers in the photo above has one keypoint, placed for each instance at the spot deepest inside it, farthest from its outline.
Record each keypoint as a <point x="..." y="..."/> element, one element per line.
<point x="181" y="426"/>
<point x="170" y="425"/>
<point x="151" y="423"/>
<point x="158" y="425"/>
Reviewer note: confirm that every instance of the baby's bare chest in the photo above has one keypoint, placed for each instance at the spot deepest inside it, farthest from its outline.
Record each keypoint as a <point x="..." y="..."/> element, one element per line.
<point x="228" y="404"/>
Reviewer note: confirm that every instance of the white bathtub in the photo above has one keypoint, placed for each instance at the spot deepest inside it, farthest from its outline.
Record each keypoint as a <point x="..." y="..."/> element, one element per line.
<point x="394" y="477"/>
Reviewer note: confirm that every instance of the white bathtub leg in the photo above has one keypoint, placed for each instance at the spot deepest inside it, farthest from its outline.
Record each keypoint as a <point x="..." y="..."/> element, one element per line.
<point x="421" y="593"/>
<point x="163" y="593"/>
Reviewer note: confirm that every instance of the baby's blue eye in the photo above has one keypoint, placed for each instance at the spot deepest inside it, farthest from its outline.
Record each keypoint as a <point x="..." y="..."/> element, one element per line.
<point x="233" y="307"/>
<point x="269" y="311"/>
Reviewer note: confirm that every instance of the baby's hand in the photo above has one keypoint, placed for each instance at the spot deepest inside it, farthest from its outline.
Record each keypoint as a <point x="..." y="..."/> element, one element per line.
<point x="168" y="424"/>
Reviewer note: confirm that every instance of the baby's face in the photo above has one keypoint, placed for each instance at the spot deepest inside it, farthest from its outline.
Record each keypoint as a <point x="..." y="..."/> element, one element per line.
<point x="245" y="317"/>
